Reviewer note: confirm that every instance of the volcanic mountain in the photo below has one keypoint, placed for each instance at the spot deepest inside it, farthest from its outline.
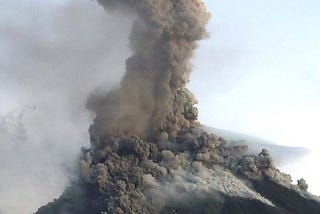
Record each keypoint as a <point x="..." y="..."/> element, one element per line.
<point x="148" y="152"/>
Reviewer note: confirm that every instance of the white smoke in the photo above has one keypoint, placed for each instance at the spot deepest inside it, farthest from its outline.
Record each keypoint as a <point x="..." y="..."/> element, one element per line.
<point x="53" y="55"/>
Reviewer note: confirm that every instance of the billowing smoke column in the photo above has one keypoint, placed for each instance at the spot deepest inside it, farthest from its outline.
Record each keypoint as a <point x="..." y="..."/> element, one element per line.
<point x="152" y="101"/>
<point x="148" y="153"/>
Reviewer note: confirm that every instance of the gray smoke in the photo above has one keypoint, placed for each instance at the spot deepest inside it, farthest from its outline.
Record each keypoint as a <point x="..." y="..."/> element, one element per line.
<point x="51" y="57"/>
<point x="152" y="100"/>
<point x="148" y="153"/>
<point x="30" y="172"/>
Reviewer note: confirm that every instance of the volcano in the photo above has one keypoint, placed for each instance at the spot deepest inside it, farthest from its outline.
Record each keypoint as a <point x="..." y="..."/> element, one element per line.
<point x="149" y="153"/>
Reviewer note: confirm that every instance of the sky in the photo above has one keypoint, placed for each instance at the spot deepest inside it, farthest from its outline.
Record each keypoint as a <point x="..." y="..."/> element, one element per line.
<point x="258" y="73"/>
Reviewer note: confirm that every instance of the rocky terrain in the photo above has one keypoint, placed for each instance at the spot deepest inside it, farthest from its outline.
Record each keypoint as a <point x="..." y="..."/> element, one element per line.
<point x="207" y="178"/>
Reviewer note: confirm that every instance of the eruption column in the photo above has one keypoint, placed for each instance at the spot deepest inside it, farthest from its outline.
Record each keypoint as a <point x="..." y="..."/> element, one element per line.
<point x="148" y="153"/>
<point x="153" y="101"/>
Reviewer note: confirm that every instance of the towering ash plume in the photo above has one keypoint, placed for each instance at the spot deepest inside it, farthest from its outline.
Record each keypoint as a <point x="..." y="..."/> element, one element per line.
<point x="152" y="100"/>
<point x="148" y="154"/>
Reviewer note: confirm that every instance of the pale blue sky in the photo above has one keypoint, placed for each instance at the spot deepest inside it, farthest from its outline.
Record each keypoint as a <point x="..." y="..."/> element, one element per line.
<point x="259" y="73"/>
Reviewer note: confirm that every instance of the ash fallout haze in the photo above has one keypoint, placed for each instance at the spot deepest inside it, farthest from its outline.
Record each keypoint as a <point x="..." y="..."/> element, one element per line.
<point x="96" y="116"/>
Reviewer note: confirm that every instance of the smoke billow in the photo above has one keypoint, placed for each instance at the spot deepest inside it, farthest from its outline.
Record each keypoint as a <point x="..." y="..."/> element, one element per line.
<point x="152" y="100"/>
<point x="148" y="153"/>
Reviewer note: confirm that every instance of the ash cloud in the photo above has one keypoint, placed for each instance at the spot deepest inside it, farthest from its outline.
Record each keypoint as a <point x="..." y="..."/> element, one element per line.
<point x="153" y="100"/>
<point x="147" y="146"/>
<point x="145" y="140"/>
